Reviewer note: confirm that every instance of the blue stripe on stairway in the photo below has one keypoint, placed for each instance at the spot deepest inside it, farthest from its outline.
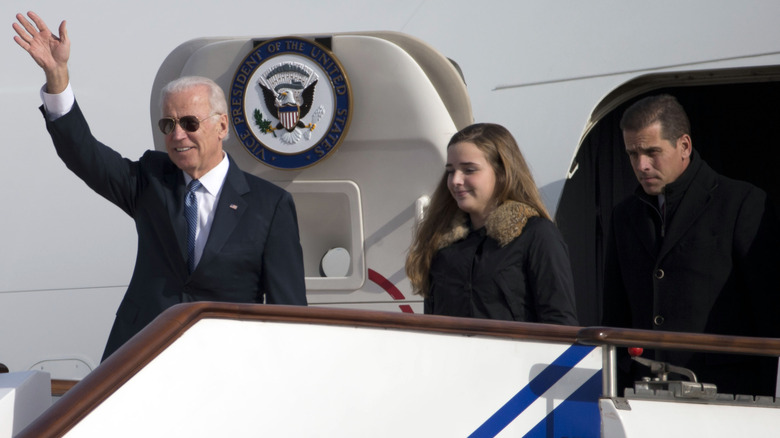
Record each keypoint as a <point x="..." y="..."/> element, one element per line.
<point x="577" y="416"/>
<point x="536" y="387"/>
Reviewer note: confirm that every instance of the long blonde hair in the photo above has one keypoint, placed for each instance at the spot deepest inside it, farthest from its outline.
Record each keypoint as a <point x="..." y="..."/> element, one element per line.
<point x="513" y="182"/>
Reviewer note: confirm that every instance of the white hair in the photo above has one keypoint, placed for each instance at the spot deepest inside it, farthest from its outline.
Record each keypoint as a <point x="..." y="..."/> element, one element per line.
<point x="217" y="100"/>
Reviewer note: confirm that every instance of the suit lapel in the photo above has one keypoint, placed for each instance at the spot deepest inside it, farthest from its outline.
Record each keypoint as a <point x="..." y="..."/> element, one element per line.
<point x="692" y="205"/>
<point x="643" y="227"/>
<point x="228" y="212"/>
<point x="174" y="203"/>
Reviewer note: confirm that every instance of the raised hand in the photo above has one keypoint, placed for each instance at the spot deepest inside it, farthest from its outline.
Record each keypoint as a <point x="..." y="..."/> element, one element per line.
<point x="49" y="51"/>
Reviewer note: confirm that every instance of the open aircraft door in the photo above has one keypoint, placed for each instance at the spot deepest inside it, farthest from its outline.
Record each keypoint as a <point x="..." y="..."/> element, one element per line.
<point x="733" y="114"/>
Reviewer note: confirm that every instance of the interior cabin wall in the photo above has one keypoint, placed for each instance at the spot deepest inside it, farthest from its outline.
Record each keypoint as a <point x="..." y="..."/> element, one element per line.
<point x="734" y="128"/>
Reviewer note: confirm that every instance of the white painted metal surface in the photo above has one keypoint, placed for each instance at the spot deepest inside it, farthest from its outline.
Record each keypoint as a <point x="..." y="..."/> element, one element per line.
<point x="281" y="379"/>
<point x="23" y="396"/>
<point x="654" y="419"/>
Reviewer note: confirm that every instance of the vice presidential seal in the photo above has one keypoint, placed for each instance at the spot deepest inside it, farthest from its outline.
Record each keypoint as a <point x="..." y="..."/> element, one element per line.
<point x="290" y="103"/>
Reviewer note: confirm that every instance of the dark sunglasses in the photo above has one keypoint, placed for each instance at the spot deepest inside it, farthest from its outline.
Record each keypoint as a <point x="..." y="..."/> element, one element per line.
<point x="187" y="123"/>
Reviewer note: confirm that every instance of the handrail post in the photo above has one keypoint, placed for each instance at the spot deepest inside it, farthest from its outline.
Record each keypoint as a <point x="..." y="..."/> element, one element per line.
<point x="609" y="371"/>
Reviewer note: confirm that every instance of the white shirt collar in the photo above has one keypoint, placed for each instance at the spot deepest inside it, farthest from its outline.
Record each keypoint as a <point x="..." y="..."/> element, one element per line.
<point x="213" y="180"/>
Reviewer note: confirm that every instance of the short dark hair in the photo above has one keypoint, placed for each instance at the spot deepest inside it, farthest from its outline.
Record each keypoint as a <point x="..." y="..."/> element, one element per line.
<point x="663" y="108"/>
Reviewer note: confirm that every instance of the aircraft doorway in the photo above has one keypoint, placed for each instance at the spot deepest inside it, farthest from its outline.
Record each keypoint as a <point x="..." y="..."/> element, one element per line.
<point x="734" y="127"/>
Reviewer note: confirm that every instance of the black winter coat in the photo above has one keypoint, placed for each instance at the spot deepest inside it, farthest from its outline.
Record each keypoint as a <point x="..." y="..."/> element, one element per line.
<point x="712" y="267"/>
<point x="515" y="268"/>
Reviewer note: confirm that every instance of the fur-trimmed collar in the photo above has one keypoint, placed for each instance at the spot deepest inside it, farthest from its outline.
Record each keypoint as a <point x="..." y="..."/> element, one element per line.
<point x="504" y="224"/>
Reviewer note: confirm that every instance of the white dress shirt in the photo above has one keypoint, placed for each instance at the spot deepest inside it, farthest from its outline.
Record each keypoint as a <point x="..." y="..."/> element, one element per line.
<point x="57" y="105"/>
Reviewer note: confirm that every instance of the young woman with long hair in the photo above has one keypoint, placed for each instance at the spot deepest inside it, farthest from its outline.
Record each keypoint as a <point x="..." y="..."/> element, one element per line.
<point x="487" y="247"/>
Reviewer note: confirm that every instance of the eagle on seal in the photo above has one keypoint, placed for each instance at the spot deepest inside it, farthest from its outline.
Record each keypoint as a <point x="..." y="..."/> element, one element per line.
<point x="289" y="103"/>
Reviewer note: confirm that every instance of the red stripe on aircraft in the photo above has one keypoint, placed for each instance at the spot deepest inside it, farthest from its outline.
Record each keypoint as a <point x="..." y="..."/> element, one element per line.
<point x="385" y="284"/>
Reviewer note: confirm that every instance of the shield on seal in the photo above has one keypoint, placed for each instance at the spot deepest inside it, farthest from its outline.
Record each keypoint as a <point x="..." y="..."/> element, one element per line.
<point x="288" y="116"/>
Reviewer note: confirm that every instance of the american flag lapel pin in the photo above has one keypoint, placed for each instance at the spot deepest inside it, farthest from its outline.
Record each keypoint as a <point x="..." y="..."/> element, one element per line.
<point x="234" y="206"/>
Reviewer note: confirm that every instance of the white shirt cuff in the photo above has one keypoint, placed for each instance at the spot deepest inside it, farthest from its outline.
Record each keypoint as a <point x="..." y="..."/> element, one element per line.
<point x="57" y="105"/>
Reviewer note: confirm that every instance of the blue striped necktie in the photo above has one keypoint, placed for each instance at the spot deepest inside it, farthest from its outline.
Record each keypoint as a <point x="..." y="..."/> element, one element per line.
<point x="191" y="214"/>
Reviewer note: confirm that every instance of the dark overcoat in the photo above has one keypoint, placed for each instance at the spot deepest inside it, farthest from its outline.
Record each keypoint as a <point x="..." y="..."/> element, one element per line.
<point x="516" y="268"/>
<point x="711" y="268"/>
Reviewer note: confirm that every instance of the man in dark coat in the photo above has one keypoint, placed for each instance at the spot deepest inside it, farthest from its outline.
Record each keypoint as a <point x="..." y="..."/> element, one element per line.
<point x="692" y="251"/>
<point x="234" y="238"/>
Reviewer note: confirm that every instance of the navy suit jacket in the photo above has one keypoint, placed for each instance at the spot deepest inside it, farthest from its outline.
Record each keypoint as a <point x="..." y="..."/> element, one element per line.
<point x="253" y="252"/>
